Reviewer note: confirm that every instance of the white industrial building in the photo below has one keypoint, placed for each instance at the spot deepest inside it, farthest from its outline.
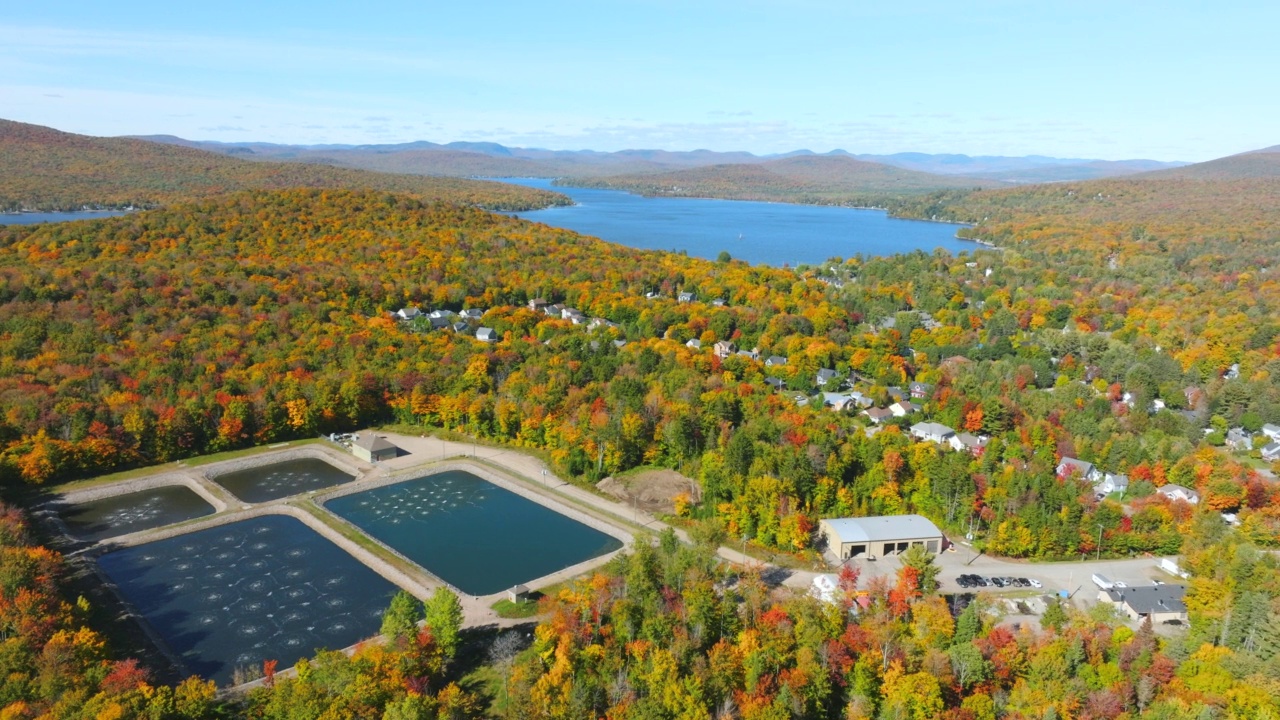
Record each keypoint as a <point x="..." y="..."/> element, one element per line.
<point x="879" y="536"/>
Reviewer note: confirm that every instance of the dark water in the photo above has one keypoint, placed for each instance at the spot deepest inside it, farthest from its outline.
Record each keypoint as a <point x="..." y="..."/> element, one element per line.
<point x="131" y="512"/>
<point x="476" y="536"/>
<point x="260" y="589"/>
<point x="33" y="218"/>
<point x="271" y="482"/>
<point x="758" y="232"/>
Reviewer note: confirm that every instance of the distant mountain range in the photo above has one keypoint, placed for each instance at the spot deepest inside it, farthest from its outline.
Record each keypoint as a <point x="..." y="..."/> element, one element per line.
<point x="495" y="160"/>
<point x="46" y="169"/>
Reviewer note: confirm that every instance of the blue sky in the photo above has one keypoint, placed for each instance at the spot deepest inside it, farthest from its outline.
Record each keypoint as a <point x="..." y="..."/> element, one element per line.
<point x="1167" y="80"/>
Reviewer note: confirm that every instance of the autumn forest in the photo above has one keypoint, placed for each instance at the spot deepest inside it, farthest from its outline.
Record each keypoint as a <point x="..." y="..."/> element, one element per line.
<point x="1128" y="323"/>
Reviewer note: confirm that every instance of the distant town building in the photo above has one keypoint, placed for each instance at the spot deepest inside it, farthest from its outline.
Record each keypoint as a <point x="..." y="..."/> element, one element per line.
<point x="1178" y="492"/>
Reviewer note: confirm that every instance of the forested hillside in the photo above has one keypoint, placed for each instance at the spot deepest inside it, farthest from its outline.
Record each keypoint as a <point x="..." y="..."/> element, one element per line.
<point x="265" y="316"/>
<point x="44" y="169"/>
<point x="813" y="179"/>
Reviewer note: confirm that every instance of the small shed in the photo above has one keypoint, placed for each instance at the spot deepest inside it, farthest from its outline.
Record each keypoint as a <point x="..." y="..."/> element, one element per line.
<point x="519" y="593"/>
<point x="372" y="448"/>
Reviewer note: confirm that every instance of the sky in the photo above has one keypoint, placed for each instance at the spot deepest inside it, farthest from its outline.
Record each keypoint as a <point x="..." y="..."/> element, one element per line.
<point x="1171" y="80"/>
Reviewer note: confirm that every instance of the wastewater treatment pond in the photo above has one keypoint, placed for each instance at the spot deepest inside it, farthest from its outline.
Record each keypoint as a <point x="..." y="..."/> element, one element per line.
<point x="233" y="596"/>
<point x="476" y="536"/>
<point x="132" y="512"/>
<point x="282" y="479"/>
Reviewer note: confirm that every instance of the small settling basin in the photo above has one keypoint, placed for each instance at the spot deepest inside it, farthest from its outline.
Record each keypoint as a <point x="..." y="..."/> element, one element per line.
<point x="476" y="536"/>
<point x="233" y="596"/>
<point x="117" y="515"/>
<point x="282" y="479"/>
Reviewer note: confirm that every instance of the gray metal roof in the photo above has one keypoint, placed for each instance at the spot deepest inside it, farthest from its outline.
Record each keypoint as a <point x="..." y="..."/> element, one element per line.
<point x="1158" y="598"/>
<point x="882" y="528"/>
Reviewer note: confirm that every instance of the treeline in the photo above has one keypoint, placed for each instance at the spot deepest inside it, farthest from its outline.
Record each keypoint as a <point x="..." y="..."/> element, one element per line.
<point x="665" y="633"/>
<point x="46" y="170"/>
<point x="53" y="665"/>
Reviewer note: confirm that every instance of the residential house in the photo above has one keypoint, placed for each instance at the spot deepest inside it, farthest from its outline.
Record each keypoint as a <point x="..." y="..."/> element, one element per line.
<point x="800" y="399"/>
<point x="1178" y="492"/>
<point x="472" y="313"/>
<point x="407" y="313"/>
<point x="573" y="315"/>
<point x="1111" y="482"/>
<point x="440" y="323"/>
<point x="933" y="432"/>
<point x="598" y="322"/>
<point x="825" y="375"/>
<point x="461" y="327"/>
<point x="685" y="297"/>
<point x="718" y="302"/>
<point x="724" y="349"/>
<point x="438" y="314"/>
<point x="1239" y="439"/>
<point x="903" y="408"/>
<point x="1160" y="603"/>
<point x="1081" y="469"/>
<point x="1271" y="452"/>
<point x="920" y="390"/>
<point x="694" y="344"/>
<point x="1271" y="431"/>
<point x="754" y="354"/>
<point x="878" y="415"/>
<point x="1232" y="373"/>
<point x="896" y="393"/>
<point x="861" y="400"/>
<point x="485" y="334"/>
<point x="838" y="401"/>
<point x="537" y="304"/>
<point x="776" y="383"/>
<point x="775" y="361"/>
<point x="973" y="444"/>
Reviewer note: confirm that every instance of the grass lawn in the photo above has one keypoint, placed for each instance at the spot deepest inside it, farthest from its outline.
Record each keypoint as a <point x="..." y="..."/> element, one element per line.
<point x="523" y="609"/>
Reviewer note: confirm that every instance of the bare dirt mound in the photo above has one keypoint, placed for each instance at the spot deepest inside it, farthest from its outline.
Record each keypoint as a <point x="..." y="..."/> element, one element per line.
<point x="652" y="490"/>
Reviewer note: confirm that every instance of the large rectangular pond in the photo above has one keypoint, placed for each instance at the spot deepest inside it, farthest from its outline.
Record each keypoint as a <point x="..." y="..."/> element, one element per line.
<point x="282" y="479"/>
<point x="254" y="590"/>
<point x="471" y="533"/>
<point x="132" y="512"/>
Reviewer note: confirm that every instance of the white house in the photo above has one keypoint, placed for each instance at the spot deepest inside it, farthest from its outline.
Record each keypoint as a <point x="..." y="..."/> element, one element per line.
<point x="932" y="432"/>
<point x="1178" y="492"/>
<point x="972" y="444"/>
<point x="903" y="408"/>
<point x="1111" y="482"/>
<point x="1271" y="431"/>
<point x="694" y="344"/>
<point x="1081" y="469"/>
<point x="408" y="313"/>
<point x="1271" y="452"/>
<point x="485" y="334"/>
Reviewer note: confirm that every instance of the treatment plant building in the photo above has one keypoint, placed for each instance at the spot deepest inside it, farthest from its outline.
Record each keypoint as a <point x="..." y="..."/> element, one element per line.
<point x="881" y="535"/>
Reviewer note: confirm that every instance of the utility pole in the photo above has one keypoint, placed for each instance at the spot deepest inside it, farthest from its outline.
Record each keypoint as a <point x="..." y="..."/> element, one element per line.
<point x="1099" y="541"/>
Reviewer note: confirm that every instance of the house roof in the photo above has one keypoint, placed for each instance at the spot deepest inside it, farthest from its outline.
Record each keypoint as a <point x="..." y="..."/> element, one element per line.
<point x="882" y="528"/>
<point x="971" y="441"/>
<point x="878" y="413"/>
<point x="1157" y="598"/>
<point x="776" y="360"/>
<point x="1173" y="489"/>
<point x="931" y="428"/>
<point x="1069" y="463"/>
<point x="826" y="373"/>
<point x="374" y="443"/>
<point x="1271" y="429"/>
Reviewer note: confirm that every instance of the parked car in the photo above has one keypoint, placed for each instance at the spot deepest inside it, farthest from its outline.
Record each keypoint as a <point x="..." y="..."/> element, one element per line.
<point x="1035" y="583"/>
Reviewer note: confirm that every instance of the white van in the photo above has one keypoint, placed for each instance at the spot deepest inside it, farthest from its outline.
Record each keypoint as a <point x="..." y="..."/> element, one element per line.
<point x="1102" y="582"/>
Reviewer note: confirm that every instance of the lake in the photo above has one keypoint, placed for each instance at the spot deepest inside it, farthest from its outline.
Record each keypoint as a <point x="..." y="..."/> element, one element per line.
<point x="758" y="232"/>
<point x="39" y="217"/>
